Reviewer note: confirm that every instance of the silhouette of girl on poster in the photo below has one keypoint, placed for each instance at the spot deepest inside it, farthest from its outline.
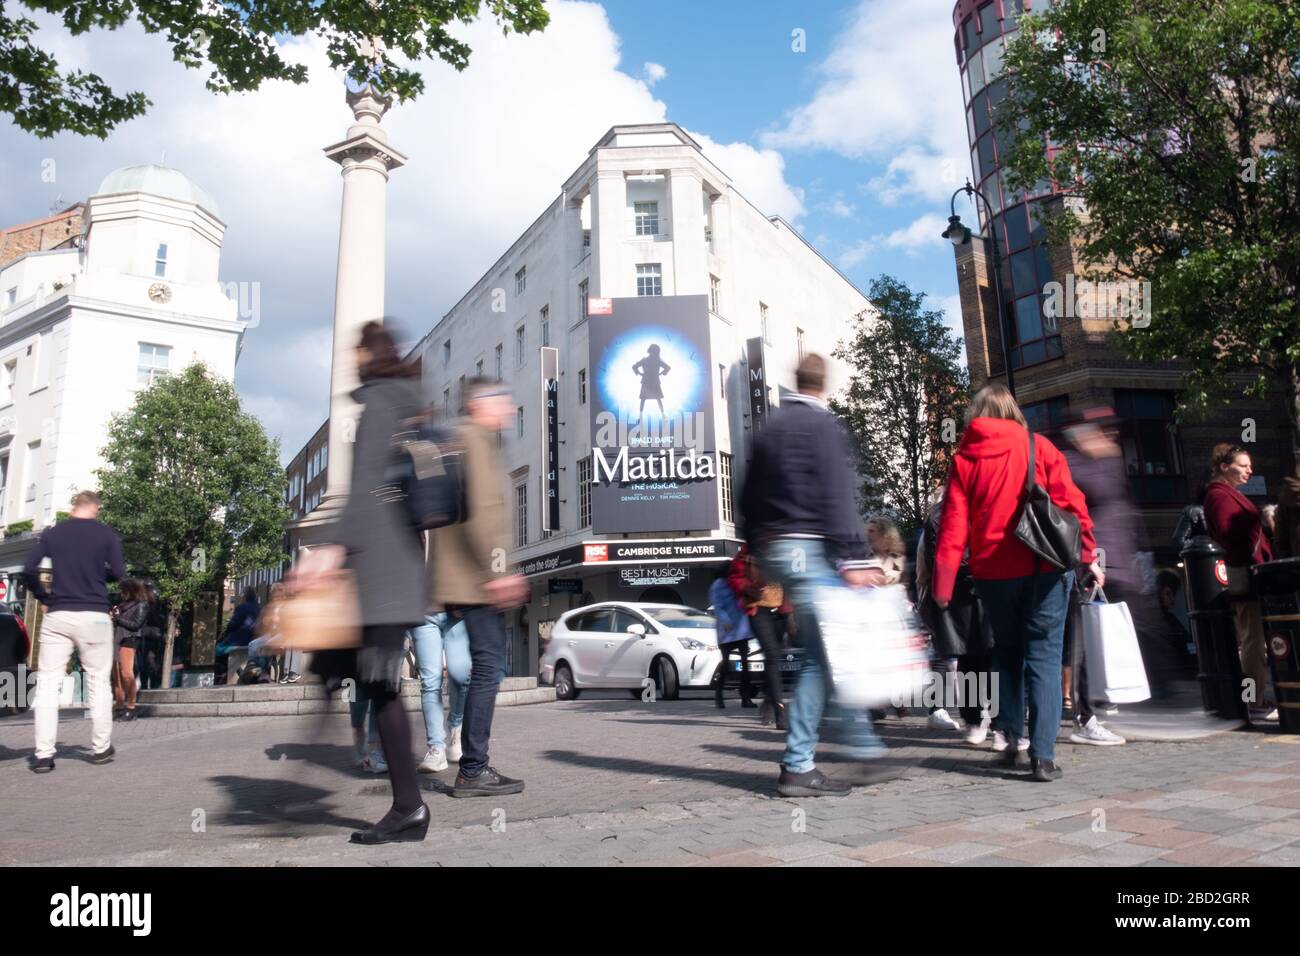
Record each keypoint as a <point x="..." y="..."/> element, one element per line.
<point x="649" y="369"/>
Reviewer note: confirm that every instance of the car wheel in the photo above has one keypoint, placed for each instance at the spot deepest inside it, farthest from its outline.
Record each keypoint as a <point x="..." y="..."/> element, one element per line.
<point x="564" y="687"/>
<point x="664" y="672"/>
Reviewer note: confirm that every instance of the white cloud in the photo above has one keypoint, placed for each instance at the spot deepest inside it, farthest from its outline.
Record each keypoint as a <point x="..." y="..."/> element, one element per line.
<point x="922" y="234"/>
<point x="951" y="306"/>
<point x="836" y="206"/>
<point x="653" y="72"/>
<point x="890" y="91"/>
<point x="488" y="148"/>
<point x="856" y="253"/>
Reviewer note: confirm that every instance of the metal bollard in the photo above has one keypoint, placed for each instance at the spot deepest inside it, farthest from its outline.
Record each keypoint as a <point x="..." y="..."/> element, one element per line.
<point x="1206" y="580"/>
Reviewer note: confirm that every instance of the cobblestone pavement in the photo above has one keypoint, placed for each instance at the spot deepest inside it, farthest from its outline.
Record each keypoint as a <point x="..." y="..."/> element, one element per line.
<point x="616" y="781"/>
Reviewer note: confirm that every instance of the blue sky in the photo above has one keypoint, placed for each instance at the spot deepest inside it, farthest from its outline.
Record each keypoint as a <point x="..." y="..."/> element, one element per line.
<point x="859" y="141"/>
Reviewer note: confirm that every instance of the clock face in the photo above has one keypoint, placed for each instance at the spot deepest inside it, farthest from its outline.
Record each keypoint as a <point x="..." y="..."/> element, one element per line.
<point x="160" y="293"/>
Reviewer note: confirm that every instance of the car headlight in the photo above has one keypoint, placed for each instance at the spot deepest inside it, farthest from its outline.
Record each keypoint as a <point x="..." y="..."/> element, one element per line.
<point x="691" y="644"/>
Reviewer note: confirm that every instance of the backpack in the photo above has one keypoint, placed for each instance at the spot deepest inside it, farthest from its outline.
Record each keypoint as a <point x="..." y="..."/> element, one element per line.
<point x="430" y="470"/>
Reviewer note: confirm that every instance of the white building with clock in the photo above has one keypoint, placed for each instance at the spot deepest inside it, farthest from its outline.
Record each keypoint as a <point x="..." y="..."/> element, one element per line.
<point x="86" y="325"/>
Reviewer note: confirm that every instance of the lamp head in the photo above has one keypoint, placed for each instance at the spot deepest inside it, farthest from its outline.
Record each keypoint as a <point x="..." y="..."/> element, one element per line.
<point x="956" y="233"/>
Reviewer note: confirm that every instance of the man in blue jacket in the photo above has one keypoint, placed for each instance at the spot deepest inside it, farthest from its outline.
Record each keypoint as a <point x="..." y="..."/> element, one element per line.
<point x="801" y="519"/>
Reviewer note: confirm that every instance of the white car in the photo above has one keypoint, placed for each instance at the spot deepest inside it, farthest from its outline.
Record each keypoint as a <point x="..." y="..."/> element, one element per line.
<point x="620" y="644"/>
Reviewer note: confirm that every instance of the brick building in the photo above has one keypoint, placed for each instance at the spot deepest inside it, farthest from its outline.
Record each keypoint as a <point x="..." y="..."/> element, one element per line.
<point x="59" y="231"/>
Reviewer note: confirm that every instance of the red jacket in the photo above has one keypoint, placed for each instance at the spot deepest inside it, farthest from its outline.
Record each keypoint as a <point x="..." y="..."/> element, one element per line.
<point x="986" y="486"/>
<point x="1235" y="525"/>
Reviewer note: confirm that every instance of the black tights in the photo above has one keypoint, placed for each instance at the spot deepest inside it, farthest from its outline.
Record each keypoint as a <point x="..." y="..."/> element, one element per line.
<point x="395" y="737"/>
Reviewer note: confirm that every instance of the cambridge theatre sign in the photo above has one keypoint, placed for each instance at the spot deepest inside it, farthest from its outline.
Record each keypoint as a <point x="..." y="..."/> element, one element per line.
<point x="596" y="554"/>
<point x="654" y="459"/>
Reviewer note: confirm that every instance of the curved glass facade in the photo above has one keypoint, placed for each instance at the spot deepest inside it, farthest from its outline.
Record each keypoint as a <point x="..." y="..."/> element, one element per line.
<point x="982" y="34"/>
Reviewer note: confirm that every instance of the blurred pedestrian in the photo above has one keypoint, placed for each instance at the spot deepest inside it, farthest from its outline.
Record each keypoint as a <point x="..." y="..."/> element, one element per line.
<point x="86" y="555"/>
<point x="734" y="634"/>
<point x="769" y="613"/>
<point x="800" y="513"/>
<point x="129" y="616"/>
<point x="474" y="581"/>
<point x="239" y="631"/>
<point x="377" y="542"/>
<point x="1236" y="526"/>
<point x="439" y="639"/>
<point x="1025" y="598"/>
<point x="151" y="643"/>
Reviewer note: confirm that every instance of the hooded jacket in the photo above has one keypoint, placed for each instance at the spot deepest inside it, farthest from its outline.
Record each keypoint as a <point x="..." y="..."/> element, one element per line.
<point x="986" y="488"/>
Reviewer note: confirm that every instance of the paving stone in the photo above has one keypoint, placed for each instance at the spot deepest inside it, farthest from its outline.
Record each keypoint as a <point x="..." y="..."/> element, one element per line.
<point x="1170" y="839"/>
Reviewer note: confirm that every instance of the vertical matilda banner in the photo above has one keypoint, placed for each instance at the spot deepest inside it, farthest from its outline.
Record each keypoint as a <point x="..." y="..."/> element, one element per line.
<point x="551" y="438"/>
<point x="757" y="384"/>
<point x="653" y="457"/>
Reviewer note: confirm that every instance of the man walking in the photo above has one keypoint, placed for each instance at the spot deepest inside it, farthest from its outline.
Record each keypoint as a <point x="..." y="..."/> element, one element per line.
<point x="86" y="555"/>
<point x="801" y="520"/>
<point x="473" y="580"/>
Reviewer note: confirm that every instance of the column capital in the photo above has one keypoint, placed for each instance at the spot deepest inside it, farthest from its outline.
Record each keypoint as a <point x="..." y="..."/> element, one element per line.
<point x="363" y="147"/>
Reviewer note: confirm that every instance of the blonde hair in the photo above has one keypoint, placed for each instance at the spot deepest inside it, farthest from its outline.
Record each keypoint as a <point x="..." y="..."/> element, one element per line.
<point x="890" y="538"/>
<point x="995" y="401"/>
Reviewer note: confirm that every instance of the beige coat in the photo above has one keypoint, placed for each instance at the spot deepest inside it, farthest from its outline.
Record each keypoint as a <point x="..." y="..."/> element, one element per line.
<point x="464" y="557"/>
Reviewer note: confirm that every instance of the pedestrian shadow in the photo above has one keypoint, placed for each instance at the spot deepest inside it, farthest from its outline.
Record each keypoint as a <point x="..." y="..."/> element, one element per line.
<point x="332" y="756"/>
<point x="743" y="781"/>
<point x="284" y="804"/>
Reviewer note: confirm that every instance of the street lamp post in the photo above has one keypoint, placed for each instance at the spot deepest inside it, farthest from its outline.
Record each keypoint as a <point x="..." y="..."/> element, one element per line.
<point x="959" y="235"/>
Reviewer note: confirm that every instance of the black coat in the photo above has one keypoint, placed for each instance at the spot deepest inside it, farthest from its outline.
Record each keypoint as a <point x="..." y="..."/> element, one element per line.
<point x="962" y="627"/>
<point x="385" y="553"/>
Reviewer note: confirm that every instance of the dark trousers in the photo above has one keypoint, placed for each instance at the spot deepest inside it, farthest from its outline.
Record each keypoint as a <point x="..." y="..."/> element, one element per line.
<point x="740" y="649"/>
<point x="769" y="628"/>
<point x="487" y="655"/>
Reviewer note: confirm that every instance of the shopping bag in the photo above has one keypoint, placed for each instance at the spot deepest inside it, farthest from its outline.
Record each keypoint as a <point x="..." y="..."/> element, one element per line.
<point x="1111" y="653"/>
<point x="875" y="645"/>
<point x="324" y="615"/>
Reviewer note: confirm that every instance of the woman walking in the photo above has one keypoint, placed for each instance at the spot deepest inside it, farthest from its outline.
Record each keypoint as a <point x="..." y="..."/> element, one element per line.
<point x="1235" y="526"/>
<point x="769" y="617"/>
<point x="1024" y="597"/>
<point x="377" y="543"/>
<point x="129" y="618"/>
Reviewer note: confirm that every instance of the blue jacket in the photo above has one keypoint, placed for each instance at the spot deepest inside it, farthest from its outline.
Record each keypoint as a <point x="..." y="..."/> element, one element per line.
<point x="733" y="622"/>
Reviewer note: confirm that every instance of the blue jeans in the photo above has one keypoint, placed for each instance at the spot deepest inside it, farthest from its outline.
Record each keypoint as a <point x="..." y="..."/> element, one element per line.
<point x="487" y="650"/>
<point x="438" y="636"/>
<point x="801" y="567"/>
<point x="357" y="710"/>
<point x="1027" y="616"/>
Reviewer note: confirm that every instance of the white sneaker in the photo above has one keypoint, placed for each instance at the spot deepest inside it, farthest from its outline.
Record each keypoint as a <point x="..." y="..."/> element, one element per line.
<point x="433" y="761"/>
<point x="941" y="720"/>
<point x="375" y="762"/>
<point x="1094" y="733"/>
<point x="453" y="745"/>
<point x="1022" y="744"/>
<point x="360" y="745"/>
<point x="999" y="741"/>
<point x="976" y="734"/>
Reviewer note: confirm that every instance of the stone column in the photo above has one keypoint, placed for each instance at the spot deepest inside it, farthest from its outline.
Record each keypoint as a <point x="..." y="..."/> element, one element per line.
<point x="690" y="265"/>
<point x="608" y="230"/>
<point x="366" y="159"/>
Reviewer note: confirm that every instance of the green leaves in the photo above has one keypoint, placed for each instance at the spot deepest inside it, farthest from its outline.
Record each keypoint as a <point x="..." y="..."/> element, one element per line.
<point x="904" y="400"/>
<point x="238" y="41"/>
<point x="193" y="485"/>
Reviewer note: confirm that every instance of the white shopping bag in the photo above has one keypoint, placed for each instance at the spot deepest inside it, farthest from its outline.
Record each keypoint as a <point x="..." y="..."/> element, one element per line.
<point x="1111" y="654"/>
<point x="875" y="645"/>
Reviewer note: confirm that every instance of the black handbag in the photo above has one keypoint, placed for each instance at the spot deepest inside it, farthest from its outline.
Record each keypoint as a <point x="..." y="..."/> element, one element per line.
<point x="430" y="470"/>
<point x="1050" y="532"/>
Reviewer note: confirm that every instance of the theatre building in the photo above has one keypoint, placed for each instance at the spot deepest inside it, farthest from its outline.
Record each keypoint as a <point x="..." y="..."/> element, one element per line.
<point x="645" y="321"/>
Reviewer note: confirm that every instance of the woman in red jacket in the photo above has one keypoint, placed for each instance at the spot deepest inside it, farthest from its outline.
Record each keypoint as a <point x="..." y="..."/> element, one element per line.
<point x="1234" y="524"/>
<point x="1025" y="598"/>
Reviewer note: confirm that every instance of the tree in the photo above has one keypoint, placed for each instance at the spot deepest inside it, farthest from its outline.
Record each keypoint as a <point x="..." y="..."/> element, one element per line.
<point x="1178" y="127"/>
<point x="908" y="389"/>
<point x="194" y="487"/>
<point x="240" y="43"/>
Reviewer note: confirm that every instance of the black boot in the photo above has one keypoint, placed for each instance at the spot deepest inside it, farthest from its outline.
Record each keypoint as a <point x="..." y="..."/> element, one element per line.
<point x="1045" y="770"/>
<point x="396" y="828"/>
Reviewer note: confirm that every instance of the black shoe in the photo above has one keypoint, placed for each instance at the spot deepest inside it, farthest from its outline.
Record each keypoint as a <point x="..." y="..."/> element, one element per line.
<point x="811" y="784"/>
<point x="489" y="783"/>
<point x="410" y="828"/>
<point x="104" y="756"/>
<point x="748" y="703"/>
<point x="720" y="703"/>
<point x="128" y="714"/>
<point x="1013" y="758"/>
<point x="871" y="772"/>
<point x="42" y="765"/>
<point x="1046" y="770"/>
<point x="780" y="718"/>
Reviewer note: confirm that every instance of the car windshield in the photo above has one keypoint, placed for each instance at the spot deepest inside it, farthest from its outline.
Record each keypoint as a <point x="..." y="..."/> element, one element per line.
<point x="681" y="617"/>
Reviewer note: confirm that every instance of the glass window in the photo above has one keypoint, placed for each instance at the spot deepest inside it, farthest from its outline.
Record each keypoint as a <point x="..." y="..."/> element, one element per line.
<point x="521" y="515"/>
<point x="546" y="325"/>
<point x="153" y="363"/>
<point x="987" y="161"/>
<point x="649" y="279"/>
<point x="762" y="321"/>
<point x="598" y="620"/>
<point x="624" y="620"/>
<point x="974" y="157"/>
<point x="500" y="350"/>
<point x="724" y="481"/>
<point x="584" y="493"/>
<point x="715" y="295"/>
<point x="519" y="421"/>
<point x="980" y="107"/>
<point x="1033" y="353"/>
<point x="681" y="617"/>
<point x="521" y="280"/>
<point x="997" y="92"/>
<point x="582" y="386"/>
<point x="1022" y="272"/>
<point x="521" y="340"/>
<point x="975" y="67"/>
<point x="989" y="23"/>
<point x="160" y="260"/>
<point x="1017" y="228"/>
<point x="1043" y="264"/>
<point x="582" y="300"/>
<point x="1046" y="415"/>
<point x="968" y="33"/>
<point x="970" y="126"/>
<point x="1037" y="228"/>
<point x="1029" y="324"/>
<point x="992" y="60"/>
<point x="647" y="218"/>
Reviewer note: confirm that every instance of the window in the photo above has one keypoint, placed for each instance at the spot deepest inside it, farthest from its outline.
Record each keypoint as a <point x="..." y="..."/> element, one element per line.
<point x="460" y="394"/>
<point x="724" y="475"/>
<point x="520" y="340"/>
<point x="521" y="280"/>
<point x="586" y="238"/>
<point x="584" y="493"/>
<point x="519" y="422"/>
<point x="8" y="382"/>
<point x="446" y="352"/>
<point x="499" y="352"/>
<point x="649" y="279"/>
<point x="1047" y="415"/>
<point x="762" y="320"/>
<point x="599" y="620"/>
<point x="4" y="479"/>
<point x="153" y="363"/>
<point x="722" y="380"/>
<point x="546" y="325"/>
<point x="1151" y="455"/>
<point x="31" y="469"/>
<point x="624" y="620"/>
<point x="521" y="514"/>
<point x="160" y="260"/>
<point x="446" y="401"/>
<point x="647" y="218"/>
<point x="582" y="386"/>
<point x="715" y="295"/>
<point x="11" y="296"/>
<point x="582" y="300"/>
<point x="478" y="368"/>
<point x="800" y="344"/>
<point x="324" y="457"/>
